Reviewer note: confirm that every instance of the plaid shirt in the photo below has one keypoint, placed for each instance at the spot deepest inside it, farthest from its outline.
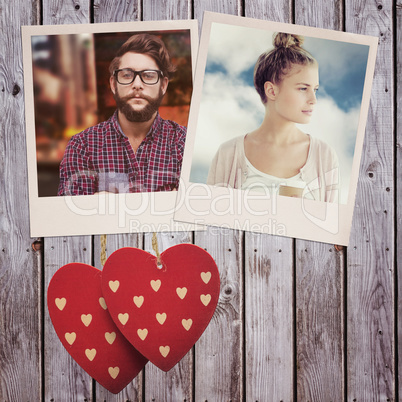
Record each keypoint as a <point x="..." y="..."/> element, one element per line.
<point x="101" y="158"/>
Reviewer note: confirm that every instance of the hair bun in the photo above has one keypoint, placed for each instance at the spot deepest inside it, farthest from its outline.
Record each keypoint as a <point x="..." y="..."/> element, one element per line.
<point x="286" y="40"/>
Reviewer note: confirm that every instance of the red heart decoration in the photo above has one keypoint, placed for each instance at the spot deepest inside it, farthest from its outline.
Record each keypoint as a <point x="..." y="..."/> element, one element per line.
<point x="85" y="328"/>
<point x="161" y="311"/>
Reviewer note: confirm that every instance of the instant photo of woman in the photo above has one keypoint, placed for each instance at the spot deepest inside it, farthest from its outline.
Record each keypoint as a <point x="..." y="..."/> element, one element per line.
<point x="278" y="157"/>
<point x="276" y="128"/>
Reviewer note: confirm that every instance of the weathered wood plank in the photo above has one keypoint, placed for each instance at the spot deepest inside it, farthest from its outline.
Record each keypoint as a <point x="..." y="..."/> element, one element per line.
<point x="65" y="12"/>
<point x="116" y="10"/>
<point x="57" y="12"/>
<point x="20" y="318"/>
<point x="276" y="10"/>
<point x="166" y="10"/>
<point x="219" y="352"/>
<point x="64" y="379"/>
<point x="319" y="277"/>
<point x="269" y="282"/>
<point x="321" y="14"/>
<point x="176" y="384"/>
<point x="269" y="318"/>
<point x="398" y="206"/>
<point x="20" y="266"/>
<point x="319" y="322"/>
<point x="370" y="298"/>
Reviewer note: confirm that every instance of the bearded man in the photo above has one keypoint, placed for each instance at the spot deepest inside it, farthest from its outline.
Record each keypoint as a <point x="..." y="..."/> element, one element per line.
<point x="135" y="150"/>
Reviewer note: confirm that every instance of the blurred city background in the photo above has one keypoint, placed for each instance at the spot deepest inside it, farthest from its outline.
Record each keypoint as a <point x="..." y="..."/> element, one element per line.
<point x="72" y="93"/>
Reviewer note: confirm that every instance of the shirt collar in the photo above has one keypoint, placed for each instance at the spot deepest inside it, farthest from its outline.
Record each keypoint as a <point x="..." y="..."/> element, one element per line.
<point x="153" y="132"/>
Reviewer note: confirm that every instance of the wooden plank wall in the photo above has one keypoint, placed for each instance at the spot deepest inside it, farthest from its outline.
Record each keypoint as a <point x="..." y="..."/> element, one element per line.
<point x="296" y="320"/>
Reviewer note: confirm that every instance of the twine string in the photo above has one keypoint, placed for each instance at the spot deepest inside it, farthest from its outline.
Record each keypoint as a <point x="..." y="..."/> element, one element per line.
<point x="103" y="256"/>
<point x="156" y="249"/>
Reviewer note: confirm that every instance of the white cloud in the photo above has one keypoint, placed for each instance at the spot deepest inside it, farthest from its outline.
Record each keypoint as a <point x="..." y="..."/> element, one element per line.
<point x="237" y="48"/>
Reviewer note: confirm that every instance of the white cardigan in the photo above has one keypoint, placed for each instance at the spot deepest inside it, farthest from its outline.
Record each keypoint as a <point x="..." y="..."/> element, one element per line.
<point x="321" y="171"/>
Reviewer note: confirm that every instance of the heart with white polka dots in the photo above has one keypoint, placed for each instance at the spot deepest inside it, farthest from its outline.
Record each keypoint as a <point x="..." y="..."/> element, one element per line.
<point x="161" y="310"/>
<point x="82" y="322"/>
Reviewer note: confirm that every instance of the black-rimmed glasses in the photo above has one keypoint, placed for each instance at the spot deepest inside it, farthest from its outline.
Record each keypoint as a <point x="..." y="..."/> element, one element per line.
<point x="126" y="76"/>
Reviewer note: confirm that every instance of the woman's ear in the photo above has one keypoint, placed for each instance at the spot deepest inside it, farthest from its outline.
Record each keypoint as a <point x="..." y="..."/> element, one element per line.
<point x="270" y="90"/>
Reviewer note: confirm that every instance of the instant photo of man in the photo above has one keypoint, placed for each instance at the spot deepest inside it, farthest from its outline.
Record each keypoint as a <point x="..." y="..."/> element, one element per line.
<point x="111" y="110"/>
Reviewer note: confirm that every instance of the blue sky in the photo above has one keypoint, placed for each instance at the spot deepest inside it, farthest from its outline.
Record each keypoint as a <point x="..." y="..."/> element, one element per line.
<point x="230" y="106"/>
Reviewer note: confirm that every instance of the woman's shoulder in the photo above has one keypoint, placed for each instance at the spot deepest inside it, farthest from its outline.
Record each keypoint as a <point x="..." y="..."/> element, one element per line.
<point x="226" y="162"/>
<point x="231" y="145"/>
<point x="320" y="146"/>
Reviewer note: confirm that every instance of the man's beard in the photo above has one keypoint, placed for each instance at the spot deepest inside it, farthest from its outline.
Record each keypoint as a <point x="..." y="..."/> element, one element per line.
<point x="145" y="114"/>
